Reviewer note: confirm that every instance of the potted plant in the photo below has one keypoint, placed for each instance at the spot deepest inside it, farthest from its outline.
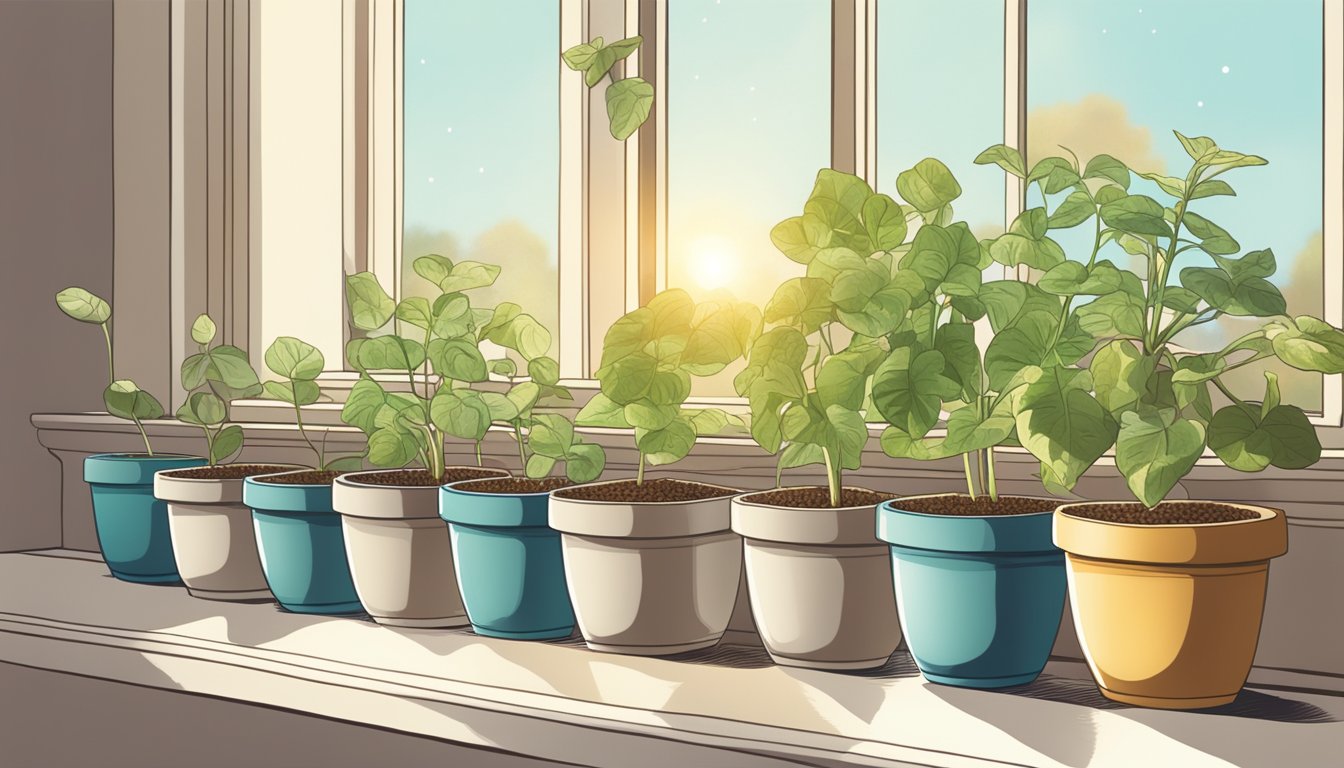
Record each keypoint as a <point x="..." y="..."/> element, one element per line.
<point x="298" y="531"/>
<point x="132" y="525"/>
<point x="979" y="582"/>
<point x="819" y="579"/>
<point x="652" y="566"/>
<point x="508" y="559"/>
<point x="1168" y="595"/>
<point x="399" y="551"/>
<point x="213" y="542"/>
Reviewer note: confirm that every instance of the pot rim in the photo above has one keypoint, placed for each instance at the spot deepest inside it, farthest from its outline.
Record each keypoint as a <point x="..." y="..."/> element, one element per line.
<point x="208" y="480"/>
<point x="347" y="478"/>
<point x="899" y="499"/>
<point x="455" y="487"/>
<point x="731" y="493"/>
<point x="978" y="536"/>
<point x="1254" y="540"/>
<point x="741" y="498"/>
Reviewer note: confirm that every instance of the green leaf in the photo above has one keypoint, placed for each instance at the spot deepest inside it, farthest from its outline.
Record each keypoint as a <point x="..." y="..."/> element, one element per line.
<point x="1253" y="264"/>
<point x="962" y="357"/>
<point x="1023" y="344"/>
<point x="947" y="258"/>
<point x="625" y="47"/>
<point x="884" y="222"/>
<point x="524" y="396"/>
<point x="843" y="377"/>
<point x="928" y="186"/>
<point x="1107" y="167"/>
<point x="1115" y="314"/>
<point x="461" y="413"/>
<point x="800" y="302"/>
<point x="203" y="330"/>
<point x="1031" y="223"/>
<point x="294" y="359"/>
<point x="909" y="389"/>
<point x="466" y="275"/>
<point x="1211" y="188"/>
<point x="1155" y="450"/>
<point x="551" y="435"/>
<point x="392" y="447"/>
<point x="666" y="445"/>
<point x="1136" y="214"/>
<point x="647" y="414"/>
<point x="1013" y="249"/>
<point x="585" y="462"/>
<point x="1169" y="184"/>
<point x="712" y="421"/>
<point x="125" y="400"/>
<point x="500" y="406"/>
<point x="1248" y="441"/>
<point x="83" y="306"/>
<point x="457" y="360"/>
<point x="521" y="333"/>
<point x="294" y="392"/>
<point x="452" y="316"/>
<point x="1308" y="344"/>
<point x="1215" y="239"/>
<point x="194" y="369"/>
<point x="503" y="367"/>
<point x="230" y="368"/>
<point x="580" y="57"/>
<point x="1076" y="208"/>
<point x="1004" y="156"/>
<point x="1069" y="278"/>
<point x="1061" y="424"/>
<point x="967" y="432"/>
<point x="601" y="63"/>
<point x="628" y="104"/>
<point x="628" y="378"/>
<point x="370" y="306"/>
<point x="539" y="466"/>
<point x="1007" y="300"/>
<point x="797" y="237"/>
<point x="228" y="442"/>
<point x="361" y="407"/>
<point x="416" y="311"/>
<point x="433" y="267"/>
<point x="1120" y="374"/>
<point x="602" y="411"/>
<point x="1197" y="148"/>
<point x="203" y="408"/>
<point x="385" y="353"/>
<point x="1253" y="297"/>
<point x="544" y="370"/>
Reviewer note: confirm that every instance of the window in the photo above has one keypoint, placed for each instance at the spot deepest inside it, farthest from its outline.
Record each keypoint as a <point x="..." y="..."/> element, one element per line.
<point x="1118" y="77"/>
<point x="481" y="169"/>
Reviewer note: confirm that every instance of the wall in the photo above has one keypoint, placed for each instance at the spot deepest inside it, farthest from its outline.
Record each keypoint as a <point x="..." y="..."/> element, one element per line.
<point x="56" y="229"/>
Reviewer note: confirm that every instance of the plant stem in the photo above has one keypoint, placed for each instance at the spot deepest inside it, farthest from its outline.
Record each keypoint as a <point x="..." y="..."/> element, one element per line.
<point x="832" y="478"/>
<point x="111" y="369"/>
<point x="298" y="421"/>
<point x="479" y="461"/>
<point x="639" y="478"/>
<point x="1227" y="392"/>
<point x="143" y="435"/>
<point x="993" y="484"/>
<point x="518" y="435"/>
<point x="970" y="477"/>
<point x="209" y="445"/>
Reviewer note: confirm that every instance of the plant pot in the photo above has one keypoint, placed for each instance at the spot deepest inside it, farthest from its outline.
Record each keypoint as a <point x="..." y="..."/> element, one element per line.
<point x="213" y="541"/>
<point x="649" y="578"/>
<point x="820" y="584"/>
<point x="301" y="546"/>
<point x="400" y="554"/>
<point x="508" y="563"/>
<point x="1169" y="615"/>
<point x="132" y="525"/>
<point x="980" y="597"/>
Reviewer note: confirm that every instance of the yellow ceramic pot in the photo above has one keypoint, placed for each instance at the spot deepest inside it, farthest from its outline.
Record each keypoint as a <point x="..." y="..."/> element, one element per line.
<point x="1169" y="615"/>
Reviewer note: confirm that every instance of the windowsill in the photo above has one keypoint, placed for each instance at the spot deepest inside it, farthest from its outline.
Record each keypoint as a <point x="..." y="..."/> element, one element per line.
<point x="559" y="701"/>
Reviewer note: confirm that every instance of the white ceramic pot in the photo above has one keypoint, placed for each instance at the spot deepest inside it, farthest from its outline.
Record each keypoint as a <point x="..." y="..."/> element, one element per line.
<point x="820" y="584"/>
<point x="213" y="541"/>
<point x="400" y="553"/>
<point x="649" y="579"/>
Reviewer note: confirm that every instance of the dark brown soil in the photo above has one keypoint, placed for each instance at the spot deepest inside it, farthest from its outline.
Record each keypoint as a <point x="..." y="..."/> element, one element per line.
<point x="1166" y="513"/>
<point x="964" y="506"/>
<point x="422" y="477"/>
<point x="652" y="491"/>
<point x="515" y="485"/>
<point x="818" y="497"/>
<point x="227" y="471"/>
<point x="311" y="477"/>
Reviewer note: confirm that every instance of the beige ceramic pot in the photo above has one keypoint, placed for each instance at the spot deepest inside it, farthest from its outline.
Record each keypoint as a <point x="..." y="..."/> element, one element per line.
<point x="213" y="541"/>
<point x="1169" y="615"/>
<point x="400" y="553"/>
<point x="820" y="584"/>
<point x="649" y="579"/>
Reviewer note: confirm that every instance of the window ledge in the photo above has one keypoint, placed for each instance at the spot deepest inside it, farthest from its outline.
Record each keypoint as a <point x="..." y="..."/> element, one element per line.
<point x="559" y="701"/>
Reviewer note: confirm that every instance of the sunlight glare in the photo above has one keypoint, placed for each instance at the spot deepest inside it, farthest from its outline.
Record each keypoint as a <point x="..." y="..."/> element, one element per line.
<point x="715" y="261"/>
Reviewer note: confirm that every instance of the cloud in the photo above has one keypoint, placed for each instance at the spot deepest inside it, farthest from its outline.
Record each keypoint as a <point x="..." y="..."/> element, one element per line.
<point x="1094" y="125"/>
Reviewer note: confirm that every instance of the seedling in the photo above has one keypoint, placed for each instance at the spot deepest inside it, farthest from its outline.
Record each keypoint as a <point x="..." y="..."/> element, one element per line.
<point x="648" y="359"/>
<point x="122" y="397"/>
<point x="214" y="377"/>
<point x="299" y="364"/>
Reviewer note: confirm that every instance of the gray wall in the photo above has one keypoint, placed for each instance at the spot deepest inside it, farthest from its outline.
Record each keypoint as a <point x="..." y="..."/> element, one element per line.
<point x="56" y="214"/>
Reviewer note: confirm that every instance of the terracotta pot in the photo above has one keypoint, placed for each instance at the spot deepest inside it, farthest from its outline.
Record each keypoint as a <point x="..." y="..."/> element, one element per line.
<point x="1169" y="615"/>
<point x="400" y="554"/>
<point x="649" y="579"/>
<point x="820" y="584"/>
<point x="213" y="541"/>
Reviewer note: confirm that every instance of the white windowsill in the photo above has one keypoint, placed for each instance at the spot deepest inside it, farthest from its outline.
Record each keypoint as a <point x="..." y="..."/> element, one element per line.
<point x="559" y="701"/>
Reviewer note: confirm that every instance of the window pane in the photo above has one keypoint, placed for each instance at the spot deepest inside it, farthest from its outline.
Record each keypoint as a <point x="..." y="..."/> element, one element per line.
<point x="1118" y="78"/>
<point x="749" y="116"/>
<point x="481" y="143"/>
<point x="941" y="95"/>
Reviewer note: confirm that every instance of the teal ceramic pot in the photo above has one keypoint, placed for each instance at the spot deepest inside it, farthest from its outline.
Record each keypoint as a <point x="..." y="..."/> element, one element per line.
<point x="301" y="546"/>
<point x="132" y="525"/>
<point x="508" y="561"/>
<point x="980" y="597"/>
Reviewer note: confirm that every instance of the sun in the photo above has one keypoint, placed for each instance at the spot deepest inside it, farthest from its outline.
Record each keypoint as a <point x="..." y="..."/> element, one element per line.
<point x="714" y="262"/>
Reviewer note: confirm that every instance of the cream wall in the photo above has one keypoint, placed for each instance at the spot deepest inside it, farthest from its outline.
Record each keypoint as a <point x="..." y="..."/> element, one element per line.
<point x="297" y="115"/>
